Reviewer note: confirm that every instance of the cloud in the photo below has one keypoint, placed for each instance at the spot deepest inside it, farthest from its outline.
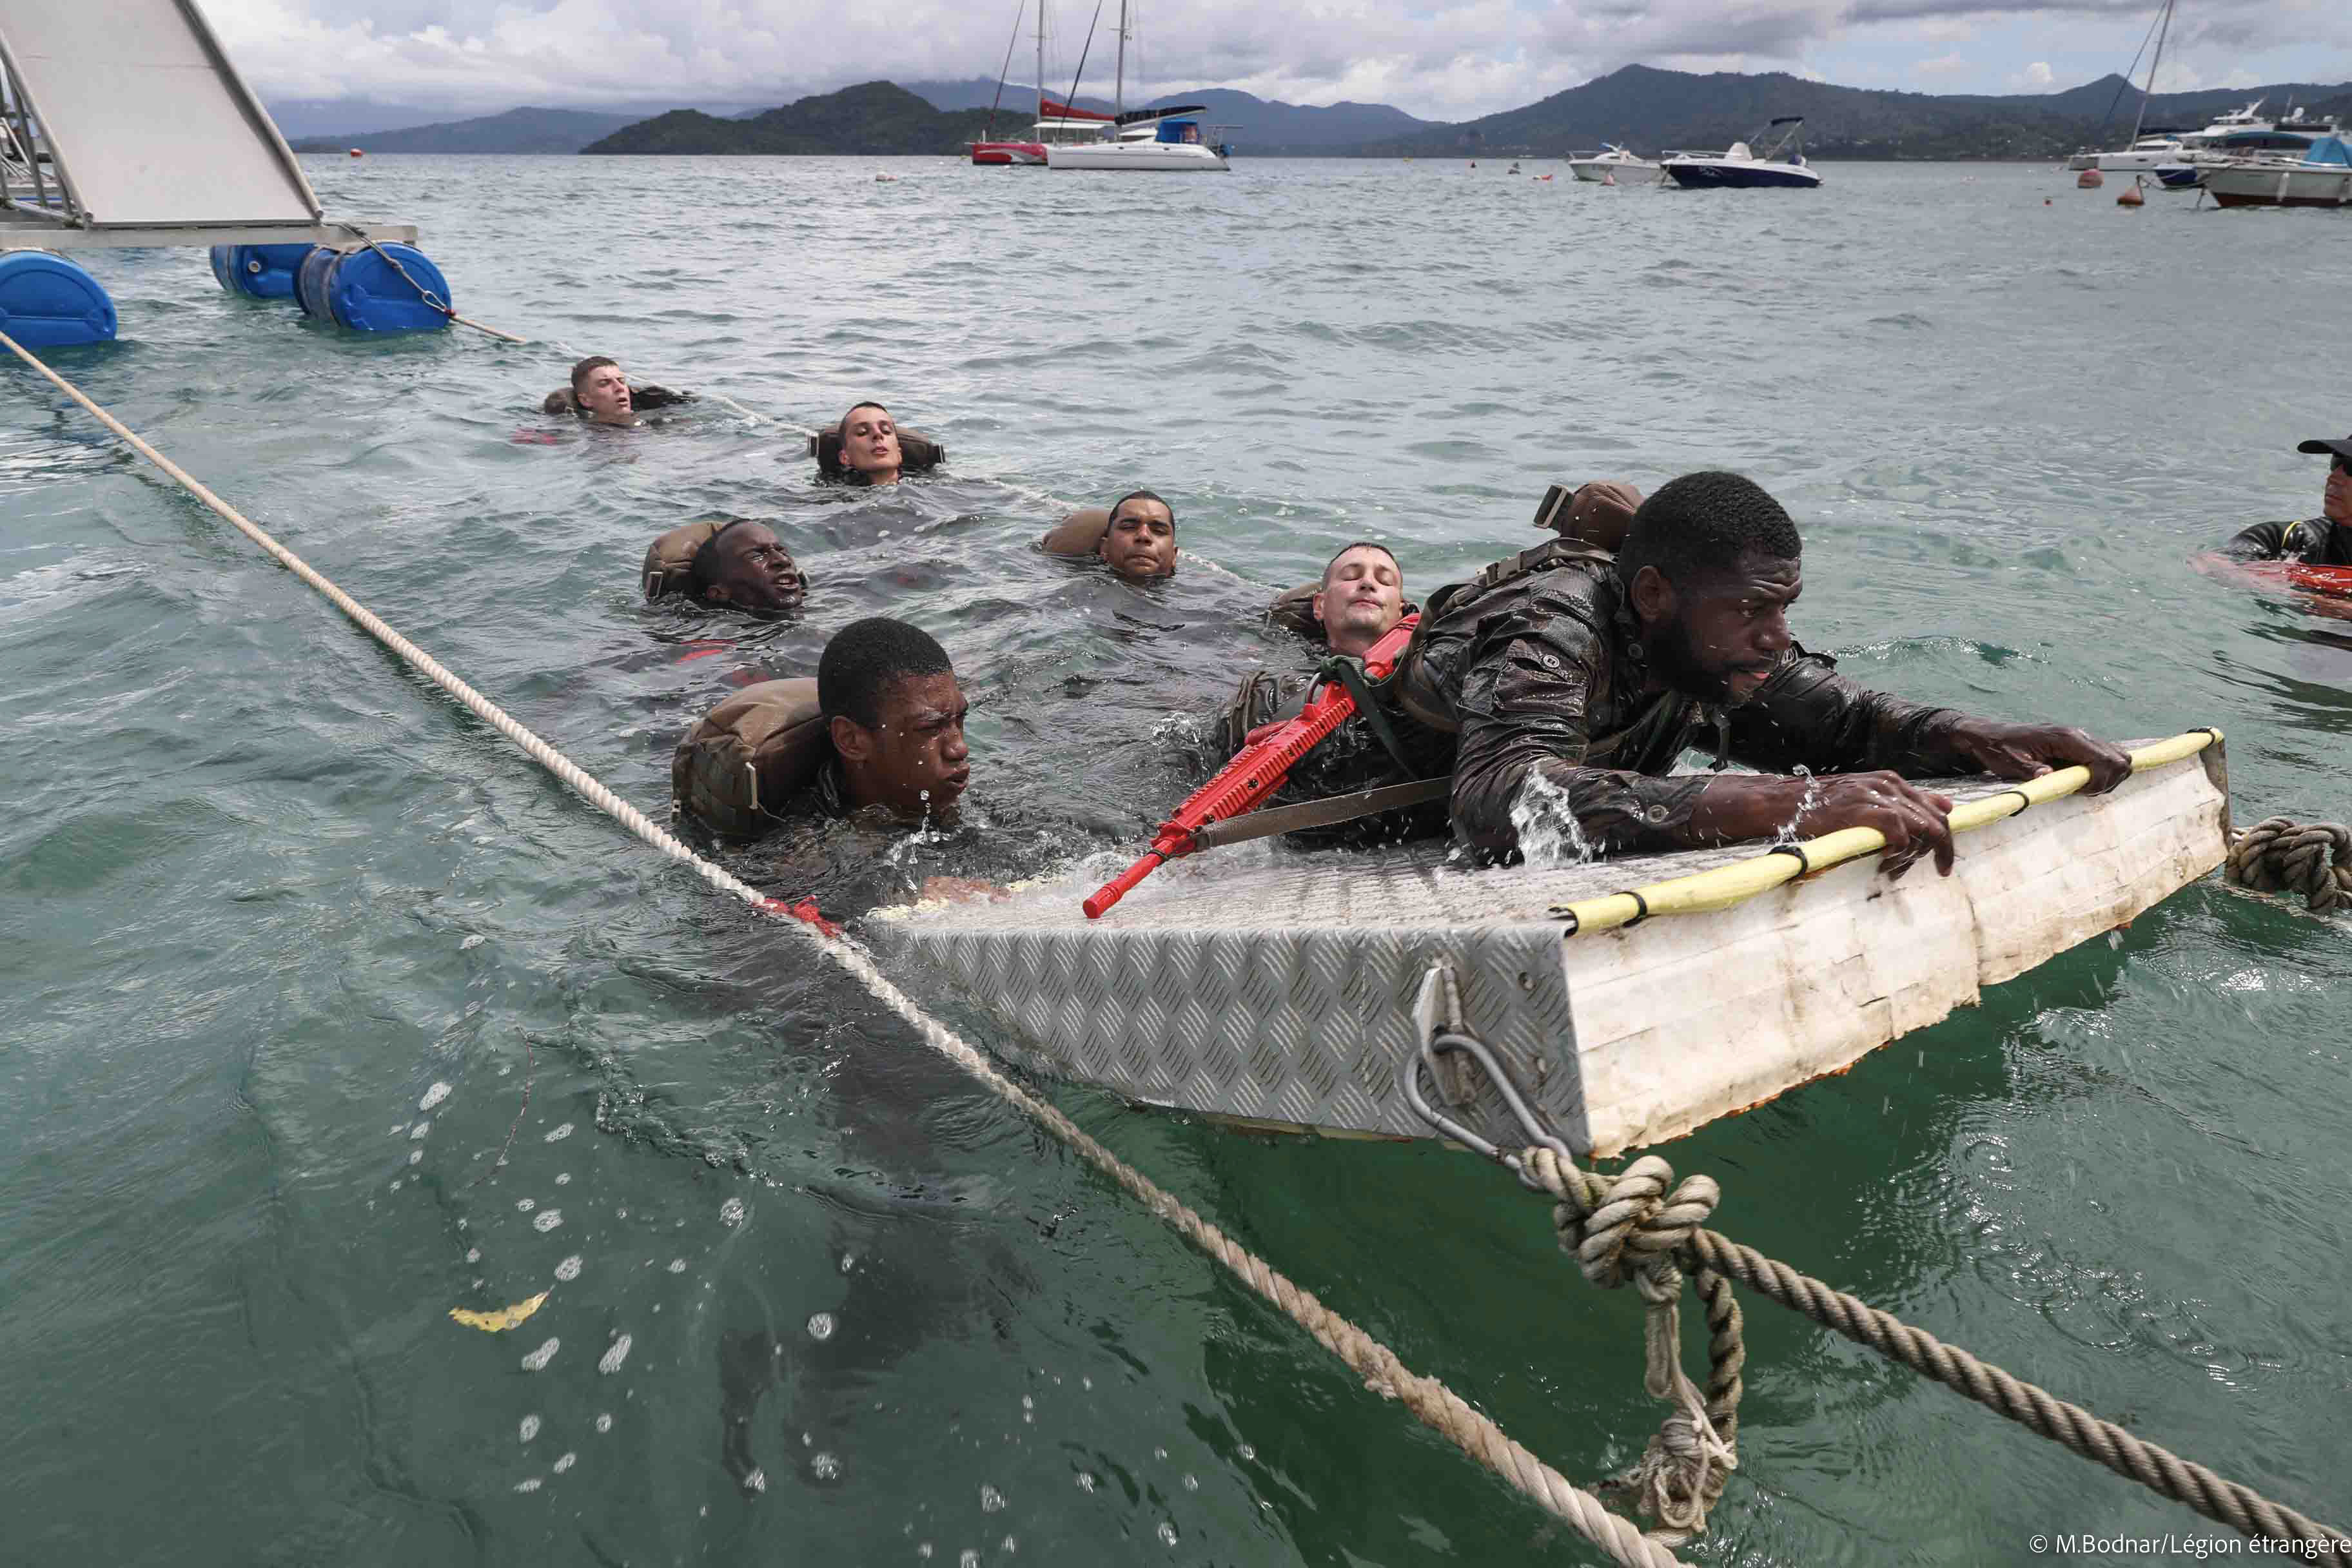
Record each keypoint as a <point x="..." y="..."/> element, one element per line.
<point x="1440" y="59"/>
<point x="1942" y="65"/>
<point x="2035" y="78"/>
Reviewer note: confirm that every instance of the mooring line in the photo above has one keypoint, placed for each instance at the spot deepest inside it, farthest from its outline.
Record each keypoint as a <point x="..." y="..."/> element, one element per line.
<point x="1437" y="1406"/>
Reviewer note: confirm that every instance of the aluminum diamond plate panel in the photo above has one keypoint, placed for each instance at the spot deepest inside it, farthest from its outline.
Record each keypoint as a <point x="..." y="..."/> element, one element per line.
<point x="1267" y="984"/>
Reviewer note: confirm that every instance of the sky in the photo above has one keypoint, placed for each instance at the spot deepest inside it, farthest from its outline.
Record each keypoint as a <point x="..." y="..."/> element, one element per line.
<point x="1451" y="59"/>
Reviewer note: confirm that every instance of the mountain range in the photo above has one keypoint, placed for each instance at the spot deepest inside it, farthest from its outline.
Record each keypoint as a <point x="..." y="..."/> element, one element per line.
<point x="1637" y="106"/>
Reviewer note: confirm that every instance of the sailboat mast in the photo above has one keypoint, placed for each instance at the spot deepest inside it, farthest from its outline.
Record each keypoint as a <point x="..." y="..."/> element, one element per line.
<point x="1118" y="96"/>
<point x="2164" y="26"/>
<point x="1041" y="60"/>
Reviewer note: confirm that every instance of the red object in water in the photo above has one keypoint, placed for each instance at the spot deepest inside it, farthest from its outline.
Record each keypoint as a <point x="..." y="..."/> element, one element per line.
<point x="2089" y="180"/>
<point x="1256" y="771"/>
<point x="357" y="154"/>
<point x="805" y="911"/>
<point x="537" y="437"/>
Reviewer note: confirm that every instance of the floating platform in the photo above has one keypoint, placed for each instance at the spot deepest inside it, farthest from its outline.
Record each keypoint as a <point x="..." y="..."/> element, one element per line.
<point x="1278" y="988"/>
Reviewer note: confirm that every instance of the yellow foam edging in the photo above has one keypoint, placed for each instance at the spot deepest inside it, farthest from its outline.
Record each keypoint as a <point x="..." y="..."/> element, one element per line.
<point x="1704" y="891"/>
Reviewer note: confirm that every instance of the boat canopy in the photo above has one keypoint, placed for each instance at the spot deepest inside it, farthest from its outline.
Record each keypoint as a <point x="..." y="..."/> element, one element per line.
<point x="1187" y="131"/>
<point x="1138" y="116"/>
<point x="2332" y="151"/>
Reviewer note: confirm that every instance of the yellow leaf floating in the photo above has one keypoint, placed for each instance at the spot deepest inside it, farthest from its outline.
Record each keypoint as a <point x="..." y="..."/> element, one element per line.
<point x="505" y="1318"/>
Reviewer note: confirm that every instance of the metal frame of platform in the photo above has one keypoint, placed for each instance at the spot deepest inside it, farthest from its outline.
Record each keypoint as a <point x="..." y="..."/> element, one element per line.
<point x="124" y="123"/>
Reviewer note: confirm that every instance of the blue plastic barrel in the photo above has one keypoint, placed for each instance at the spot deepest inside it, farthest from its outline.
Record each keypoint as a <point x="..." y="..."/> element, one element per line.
<point x="363" y="291"/>
<point x="261" y="271"/>
<point x="46" y="301"/>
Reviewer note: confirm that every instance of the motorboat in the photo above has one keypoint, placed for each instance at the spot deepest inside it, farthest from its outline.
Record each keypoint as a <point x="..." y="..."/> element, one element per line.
<point x="2146" y="154"/>
<point x="1164" y="139"/>
<point x="2322" y="179"/>
<point x="1738" y="168"/>
<point x="1615" y="164"/>
<point x="2287" y="141"/>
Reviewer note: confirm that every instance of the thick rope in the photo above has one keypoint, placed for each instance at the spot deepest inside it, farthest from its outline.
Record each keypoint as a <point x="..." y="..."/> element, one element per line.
<point x="1430" y="1400"/>
<point x="2310" y="860"/>
<point x="2225" y="1501"/>
<point x="1636" y="1231"/>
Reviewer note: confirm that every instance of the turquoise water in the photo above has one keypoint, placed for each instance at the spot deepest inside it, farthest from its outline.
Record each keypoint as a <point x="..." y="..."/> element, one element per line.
<point x="267" y="895"/>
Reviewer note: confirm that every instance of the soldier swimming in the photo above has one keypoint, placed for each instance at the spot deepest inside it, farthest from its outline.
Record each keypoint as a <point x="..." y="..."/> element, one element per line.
<point x="600" y="391"/>
<point x="1592" y="674"/>
<point x="2322" y="541"/>
<point x="1136" y="538"/>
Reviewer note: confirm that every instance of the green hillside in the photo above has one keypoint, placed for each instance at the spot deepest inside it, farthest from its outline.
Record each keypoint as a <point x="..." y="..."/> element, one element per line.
<point x="877" y="118"/>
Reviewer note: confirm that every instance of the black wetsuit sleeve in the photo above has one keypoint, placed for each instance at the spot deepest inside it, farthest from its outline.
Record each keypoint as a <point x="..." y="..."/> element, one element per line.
<point x="644" y="397"/>
<point x="1529" y="684"/>
<point x="2263" y="541"/>
<point x="1808" y="715"/>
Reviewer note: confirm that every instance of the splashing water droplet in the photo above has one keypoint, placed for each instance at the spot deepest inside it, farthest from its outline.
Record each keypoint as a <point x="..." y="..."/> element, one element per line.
<point x="416" y="1156"/>
<point x="565" y="1462"/>
<point x="542" y="1356"/>
<point x="990" y="1499"/>
<point x="1167" y="1534"/>
<point x="731" y="1211"/>
<point x="757" y="1481"/>
<point x="563" y="1179"/>
<point x="923" y="1550"/>
<point x="677" y="1265"/>
<point x="1086" y="1483"/>
<point x="820" y="1326"/>
<point x="531" y="1485"/>
<point x="1191" y="1483"/>
<point x="605" y="1422"/>
<point x="1008" y="1546"/>
<point x="613" y="1358"/>
<point x="421" y="1128"/>
<point x="1247" y="1452"/>
<point x="824" y="1466"/>
<point x="530" y="1427"/>
<point x="560" y="1134"/>
<point x="968" y="1558"/>
<point x="524" y="1206"/>
<point x="548" y="1221"/>
<point x="569" y="1270"/>
<point x="1549" y="834"/>
<point x="432" y="1097"/>
<point x="473" y="1255"/>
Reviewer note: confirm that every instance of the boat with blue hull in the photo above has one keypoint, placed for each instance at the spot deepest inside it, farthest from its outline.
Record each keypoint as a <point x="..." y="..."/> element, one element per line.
<point x="1781" y="165"/>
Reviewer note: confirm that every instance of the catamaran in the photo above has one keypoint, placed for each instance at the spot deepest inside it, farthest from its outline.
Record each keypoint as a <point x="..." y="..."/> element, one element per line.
<point x="1164" y="139"/>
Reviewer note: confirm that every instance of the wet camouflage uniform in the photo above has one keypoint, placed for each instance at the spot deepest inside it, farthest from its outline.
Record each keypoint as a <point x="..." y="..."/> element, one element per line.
<point x="1538" y="664"/>
<point x="2314" y="542"/>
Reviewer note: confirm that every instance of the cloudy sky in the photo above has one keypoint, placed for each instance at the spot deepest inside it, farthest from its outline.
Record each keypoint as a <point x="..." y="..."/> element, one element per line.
<point x="1452" y="59"/>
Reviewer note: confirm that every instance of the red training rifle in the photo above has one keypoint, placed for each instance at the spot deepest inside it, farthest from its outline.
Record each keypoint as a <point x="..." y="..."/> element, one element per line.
<point x="1256" y="771"/>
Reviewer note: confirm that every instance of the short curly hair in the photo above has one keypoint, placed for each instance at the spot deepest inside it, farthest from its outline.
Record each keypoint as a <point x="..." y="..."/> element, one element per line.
<point x="862" y="660"/>
<point x="1699" y="525"/>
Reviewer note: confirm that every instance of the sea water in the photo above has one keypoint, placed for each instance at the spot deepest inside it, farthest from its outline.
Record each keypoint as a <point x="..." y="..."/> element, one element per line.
<point x="327" y="1013"/>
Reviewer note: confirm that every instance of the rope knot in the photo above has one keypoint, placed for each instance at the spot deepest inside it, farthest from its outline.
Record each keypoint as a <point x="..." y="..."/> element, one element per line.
<point x="2310" y="860"/>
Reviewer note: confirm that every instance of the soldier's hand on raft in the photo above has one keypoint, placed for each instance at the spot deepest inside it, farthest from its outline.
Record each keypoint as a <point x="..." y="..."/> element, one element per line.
<point x="2029" y="751"/>
<point x="1913" y="821"/>
<point x="960" y="890"/>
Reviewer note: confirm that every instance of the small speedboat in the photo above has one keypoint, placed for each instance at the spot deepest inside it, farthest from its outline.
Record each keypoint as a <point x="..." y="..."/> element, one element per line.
<point x="1614" y="163"/>
<point x="1738" y="168"/>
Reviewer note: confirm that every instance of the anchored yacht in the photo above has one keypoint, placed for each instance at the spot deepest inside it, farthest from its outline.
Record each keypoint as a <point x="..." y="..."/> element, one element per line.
<point x="1615" y="163"/>
<point x="1782" y="163"/>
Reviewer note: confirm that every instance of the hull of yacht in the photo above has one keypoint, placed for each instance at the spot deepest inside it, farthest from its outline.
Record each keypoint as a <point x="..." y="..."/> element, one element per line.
<point x="1152" y="157"/>
<point x="1632" y="172"/>
<point x="2281" y="187"/>
<point x="1015" y="154"/>
<point x="1730" y="174"/>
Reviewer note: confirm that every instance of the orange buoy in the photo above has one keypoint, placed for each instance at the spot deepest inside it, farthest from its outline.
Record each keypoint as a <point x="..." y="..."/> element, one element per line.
<point x="2090" y="180"/>
<point x="357" y="154"/>
<point x="2131" y="198"/>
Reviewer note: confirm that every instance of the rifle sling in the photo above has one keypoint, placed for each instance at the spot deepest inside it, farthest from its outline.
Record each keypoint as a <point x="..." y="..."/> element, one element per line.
<point x="1274" y="819"/>
<point x="1350" y="676"/>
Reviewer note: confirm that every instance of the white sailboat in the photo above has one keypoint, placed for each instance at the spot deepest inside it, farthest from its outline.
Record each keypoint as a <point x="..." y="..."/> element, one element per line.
<point x="1158" y="140"/>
